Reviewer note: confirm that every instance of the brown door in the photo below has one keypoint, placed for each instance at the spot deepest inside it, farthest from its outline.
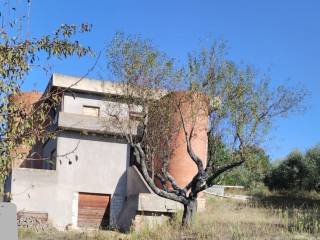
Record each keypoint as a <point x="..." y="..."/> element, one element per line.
<point x="93" y="210"/>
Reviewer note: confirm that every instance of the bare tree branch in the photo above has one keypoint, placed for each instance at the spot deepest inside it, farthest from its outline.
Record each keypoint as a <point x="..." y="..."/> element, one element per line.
<point x="193" y="156"/>
<point x="139" y="153"/>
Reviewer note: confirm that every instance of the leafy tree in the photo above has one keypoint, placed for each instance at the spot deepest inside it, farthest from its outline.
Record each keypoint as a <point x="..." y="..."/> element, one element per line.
<point x="241" y="110"/>
<point x="296" y="172"/>
<point x="312" y="157"/>
<point x="290" y="174"/>
<point x="251" y="173"/>
<point x="21" y="53"/>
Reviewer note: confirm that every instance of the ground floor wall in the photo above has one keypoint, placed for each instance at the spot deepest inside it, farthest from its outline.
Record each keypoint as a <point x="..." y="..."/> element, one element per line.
<point x="85" y="164"/>
<point x="35" y="190"/>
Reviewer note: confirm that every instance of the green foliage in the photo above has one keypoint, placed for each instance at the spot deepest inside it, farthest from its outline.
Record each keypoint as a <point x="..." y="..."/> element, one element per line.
<point x="247" y="106"/>
<point x="312" y="157"/>
<point x="135" y="61"/>
<point x="250" y="174"/>
<point x="296" y="172"/>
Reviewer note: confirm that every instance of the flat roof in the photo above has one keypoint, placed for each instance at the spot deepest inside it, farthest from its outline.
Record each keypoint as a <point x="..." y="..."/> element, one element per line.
<point x="83" y="84"/>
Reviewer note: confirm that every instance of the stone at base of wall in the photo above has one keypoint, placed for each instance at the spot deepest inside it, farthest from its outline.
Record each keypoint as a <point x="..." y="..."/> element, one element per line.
<point x="35" y="221"/>
<point x="151" y="210"/>
<point x="150" y="206"/>
<point x="148" y="221"/>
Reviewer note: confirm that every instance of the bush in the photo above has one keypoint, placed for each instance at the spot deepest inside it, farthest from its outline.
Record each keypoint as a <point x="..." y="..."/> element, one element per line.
<point x="296" y="172"/>
<point x="251" y="174"/>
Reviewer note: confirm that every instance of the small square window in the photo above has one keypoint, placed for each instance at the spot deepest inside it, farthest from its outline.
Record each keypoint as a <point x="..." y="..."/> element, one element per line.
<point x="91" y="111"/>
<point x="135" y="116"/>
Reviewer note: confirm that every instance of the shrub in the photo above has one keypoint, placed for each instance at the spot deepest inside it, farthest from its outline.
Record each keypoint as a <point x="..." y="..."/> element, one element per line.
<point x="296" y="172"/>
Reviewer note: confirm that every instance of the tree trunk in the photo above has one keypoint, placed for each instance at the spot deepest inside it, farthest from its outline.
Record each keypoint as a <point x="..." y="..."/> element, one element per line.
<point x="189" y="211"/>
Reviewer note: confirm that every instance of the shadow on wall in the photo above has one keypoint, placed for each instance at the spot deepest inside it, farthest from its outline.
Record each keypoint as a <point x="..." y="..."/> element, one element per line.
<point x="118" y="199"/>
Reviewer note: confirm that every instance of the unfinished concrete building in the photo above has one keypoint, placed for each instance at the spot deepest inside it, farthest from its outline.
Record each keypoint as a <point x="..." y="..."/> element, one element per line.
<point x="89" y="180"/>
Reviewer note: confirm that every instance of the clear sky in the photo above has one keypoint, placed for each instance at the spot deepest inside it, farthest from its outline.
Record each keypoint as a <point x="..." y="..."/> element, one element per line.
<point x="283" y="36"/>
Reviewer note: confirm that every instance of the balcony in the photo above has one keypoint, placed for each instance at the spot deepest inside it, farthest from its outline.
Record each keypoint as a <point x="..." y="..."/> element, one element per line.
<point x="80" y="122"/>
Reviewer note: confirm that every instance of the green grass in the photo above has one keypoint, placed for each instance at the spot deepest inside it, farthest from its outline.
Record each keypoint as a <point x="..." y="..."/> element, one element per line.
<point x="271" y="217"/>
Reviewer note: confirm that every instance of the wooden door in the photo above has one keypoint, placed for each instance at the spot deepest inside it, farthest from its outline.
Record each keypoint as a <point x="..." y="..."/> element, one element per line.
<point x="93" y="210"/>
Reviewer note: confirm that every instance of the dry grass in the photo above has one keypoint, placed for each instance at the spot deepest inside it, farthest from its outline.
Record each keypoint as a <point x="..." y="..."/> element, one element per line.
<point x="270" y="218"/>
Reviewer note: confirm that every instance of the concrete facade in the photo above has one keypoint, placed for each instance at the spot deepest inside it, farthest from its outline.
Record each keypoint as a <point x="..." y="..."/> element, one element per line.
<point x="88" y="156"/>
<point x="91" y="165"/>
<point x="75" y="162"/>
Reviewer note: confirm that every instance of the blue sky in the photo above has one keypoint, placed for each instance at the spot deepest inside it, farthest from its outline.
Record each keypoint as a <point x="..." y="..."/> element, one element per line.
<point x="283" y="36"/>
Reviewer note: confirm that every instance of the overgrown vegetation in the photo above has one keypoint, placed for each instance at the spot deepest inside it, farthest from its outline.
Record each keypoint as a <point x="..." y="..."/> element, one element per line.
<point x="273" y="217"/>
<point x="297" y="172"/>
<point x="250" y="174"/>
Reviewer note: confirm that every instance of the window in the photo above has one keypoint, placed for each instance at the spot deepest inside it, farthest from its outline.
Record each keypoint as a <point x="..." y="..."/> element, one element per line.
<point x="135" y="116"/>
<point x="91" y="111"/>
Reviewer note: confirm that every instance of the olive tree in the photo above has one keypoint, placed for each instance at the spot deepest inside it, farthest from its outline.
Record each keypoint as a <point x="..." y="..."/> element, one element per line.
<point x="240" y="107"/>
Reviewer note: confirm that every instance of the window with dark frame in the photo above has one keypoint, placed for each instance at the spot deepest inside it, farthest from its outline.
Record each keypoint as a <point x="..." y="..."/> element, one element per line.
<point x="91" y="110"/>
<point x="136" y="116"/>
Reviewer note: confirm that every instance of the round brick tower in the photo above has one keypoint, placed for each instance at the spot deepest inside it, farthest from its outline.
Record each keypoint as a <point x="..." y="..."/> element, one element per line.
<point x="23" y="100"/>
<point x="195" y="115"/>
<point x="194" y="111"/>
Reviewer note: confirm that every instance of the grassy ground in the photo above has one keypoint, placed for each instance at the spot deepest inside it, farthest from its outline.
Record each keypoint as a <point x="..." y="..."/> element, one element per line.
<point x="273" y="217"/>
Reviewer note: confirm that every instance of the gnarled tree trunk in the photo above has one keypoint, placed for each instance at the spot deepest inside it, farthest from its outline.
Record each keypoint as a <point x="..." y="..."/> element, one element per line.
<point x="189" y="212"/>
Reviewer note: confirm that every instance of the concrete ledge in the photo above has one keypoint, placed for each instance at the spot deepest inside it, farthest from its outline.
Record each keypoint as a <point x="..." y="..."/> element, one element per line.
<point x="150" y="202"/>
<point x="32" y="173"/>
<point x="80" y="122"/>
<point x="154" y="203"/>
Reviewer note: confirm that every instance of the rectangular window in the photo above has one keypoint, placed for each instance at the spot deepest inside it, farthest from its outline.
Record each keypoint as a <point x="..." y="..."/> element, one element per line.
<point x="91" y="111"/>
<point x="135" y="116"/>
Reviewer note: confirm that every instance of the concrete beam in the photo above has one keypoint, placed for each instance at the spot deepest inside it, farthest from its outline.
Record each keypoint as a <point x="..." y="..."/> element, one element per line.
<point x="153" y="203"/>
